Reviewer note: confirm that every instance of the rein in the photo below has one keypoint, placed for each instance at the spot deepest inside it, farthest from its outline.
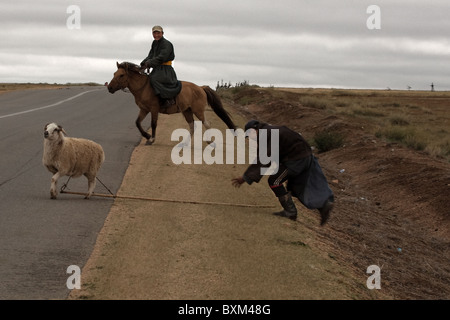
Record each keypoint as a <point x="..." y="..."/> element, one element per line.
<point x="146" y="80"/>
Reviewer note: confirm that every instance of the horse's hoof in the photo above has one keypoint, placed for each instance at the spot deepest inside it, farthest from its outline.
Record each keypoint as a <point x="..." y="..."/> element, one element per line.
<point x="150" y="141"/>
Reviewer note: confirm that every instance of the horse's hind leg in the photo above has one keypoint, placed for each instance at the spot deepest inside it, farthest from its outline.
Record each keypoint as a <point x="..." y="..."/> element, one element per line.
<point x="206" y="123"/>
<point x="154" y="123"/>
<point x="189" y="119"/>
<point x="140" y="118"/>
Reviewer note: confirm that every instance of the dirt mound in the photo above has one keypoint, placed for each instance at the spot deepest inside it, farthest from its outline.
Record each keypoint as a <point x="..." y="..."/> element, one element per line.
<point x="391" y="202"/>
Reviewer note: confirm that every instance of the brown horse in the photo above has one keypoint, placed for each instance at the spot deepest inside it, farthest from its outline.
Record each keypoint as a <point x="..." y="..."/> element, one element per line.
<point x="192" y="100"/>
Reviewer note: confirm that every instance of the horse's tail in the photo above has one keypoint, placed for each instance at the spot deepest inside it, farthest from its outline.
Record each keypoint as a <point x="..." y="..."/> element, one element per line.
<point x="216" y="104"/>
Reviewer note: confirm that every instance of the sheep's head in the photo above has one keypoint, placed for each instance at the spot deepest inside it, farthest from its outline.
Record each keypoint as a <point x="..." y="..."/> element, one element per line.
<point x="52" y="131"/>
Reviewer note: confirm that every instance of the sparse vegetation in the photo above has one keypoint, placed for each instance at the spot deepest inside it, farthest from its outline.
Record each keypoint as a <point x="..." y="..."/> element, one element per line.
<point x="415" y="119"/>
<point x="403" y="135"/>
<point x="328" y="140"/>
<point x="316" y="103"/>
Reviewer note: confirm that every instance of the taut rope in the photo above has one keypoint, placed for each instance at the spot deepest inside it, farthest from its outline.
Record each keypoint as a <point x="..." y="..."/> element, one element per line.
<point x="111" y="195"/>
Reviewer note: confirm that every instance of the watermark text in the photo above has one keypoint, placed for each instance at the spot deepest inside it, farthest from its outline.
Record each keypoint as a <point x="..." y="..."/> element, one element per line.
<point x="374" y="20"/>
<point x="74" y="281"/>
<point x="374" y="281"/>
<point x="74" y="19"/>
<point x="229" y="150"/>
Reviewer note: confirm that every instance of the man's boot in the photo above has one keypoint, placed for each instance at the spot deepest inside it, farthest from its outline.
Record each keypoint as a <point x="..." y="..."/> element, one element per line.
<point x="290" y="211"/>
<point x="325" y="212"/>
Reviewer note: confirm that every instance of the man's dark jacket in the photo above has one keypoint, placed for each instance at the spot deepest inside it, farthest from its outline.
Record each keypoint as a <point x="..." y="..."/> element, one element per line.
<point x="292" y="147"/>
<point x="163" y="77"/>
<point x="306" y="180"/>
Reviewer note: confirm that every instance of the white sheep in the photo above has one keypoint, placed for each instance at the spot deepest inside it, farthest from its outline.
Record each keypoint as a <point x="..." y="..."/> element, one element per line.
<point x="71" y="157"/>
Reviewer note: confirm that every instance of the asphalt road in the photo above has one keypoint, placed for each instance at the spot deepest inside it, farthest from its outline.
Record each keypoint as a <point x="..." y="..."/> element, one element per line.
<point x="39" y="237"/>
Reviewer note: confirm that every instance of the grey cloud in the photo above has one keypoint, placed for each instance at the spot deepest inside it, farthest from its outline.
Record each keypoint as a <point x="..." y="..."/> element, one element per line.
<point x="309" y="43"/>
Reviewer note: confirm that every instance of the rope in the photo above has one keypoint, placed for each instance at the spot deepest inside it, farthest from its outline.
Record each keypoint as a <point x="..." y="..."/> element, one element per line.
<point x="65" y="185"/>
<point x="111" y="195"/>
<point x="105" y="186"/>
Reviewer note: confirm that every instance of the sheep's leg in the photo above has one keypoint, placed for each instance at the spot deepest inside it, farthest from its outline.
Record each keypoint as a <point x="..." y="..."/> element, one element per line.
<point x="53" y="191"/>
<point x="91" y="186"/>
<point x="140" y="118"/>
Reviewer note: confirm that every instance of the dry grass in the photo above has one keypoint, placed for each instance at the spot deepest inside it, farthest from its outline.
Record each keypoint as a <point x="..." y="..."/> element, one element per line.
<point x="387" y="197"/>
<point x="416" y="119"/>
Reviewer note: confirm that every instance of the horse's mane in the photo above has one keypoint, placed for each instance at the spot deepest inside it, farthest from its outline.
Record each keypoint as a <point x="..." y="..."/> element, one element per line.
<point x="130" y="66"/>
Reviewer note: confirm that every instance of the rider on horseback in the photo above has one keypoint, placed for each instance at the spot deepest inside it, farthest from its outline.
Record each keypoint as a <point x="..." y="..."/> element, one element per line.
<point x="163" y="77"/>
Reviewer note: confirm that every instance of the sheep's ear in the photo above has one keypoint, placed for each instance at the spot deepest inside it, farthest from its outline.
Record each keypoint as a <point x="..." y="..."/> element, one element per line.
<point x="60" y="129"/>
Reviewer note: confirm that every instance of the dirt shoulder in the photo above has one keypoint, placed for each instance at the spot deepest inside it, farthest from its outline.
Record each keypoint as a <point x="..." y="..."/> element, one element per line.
<point x="391" y="211"/>
<point x="168" y="250"/>
<point x="391" y="202"/>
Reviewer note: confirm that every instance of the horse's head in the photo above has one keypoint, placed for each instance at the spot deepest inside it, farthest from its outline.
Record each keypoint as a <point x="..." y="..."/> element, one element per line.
<point x="120" y="79"/>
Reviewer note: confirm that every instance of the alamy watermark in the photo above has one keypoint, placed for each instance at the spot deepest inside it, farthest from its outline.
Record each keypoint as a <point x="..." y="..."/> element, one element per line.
<point x="374" y="20"/>
<point x="374" y="281"/>
<point x="74" y="19"/>
<point x="74" y="281"/>
<point x="190" y="149"/>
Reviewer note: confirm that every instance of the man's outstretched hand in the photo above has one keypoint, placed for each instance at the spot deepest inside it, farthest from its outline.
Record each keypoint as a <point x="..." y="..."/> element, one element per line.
<point x="236" y="182"/>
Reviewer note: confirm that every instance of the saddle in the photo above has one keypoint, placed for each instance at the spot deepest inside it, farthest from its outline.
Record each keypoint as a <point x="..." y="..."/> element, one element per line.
<point x="170" y="108"/>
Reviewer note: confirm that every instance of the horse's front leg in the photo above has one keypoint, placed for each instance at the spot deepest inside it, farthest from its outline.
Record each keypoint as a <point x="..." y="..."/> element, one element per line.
<point x="151" y="140"/>
<point x="140" y="118"/>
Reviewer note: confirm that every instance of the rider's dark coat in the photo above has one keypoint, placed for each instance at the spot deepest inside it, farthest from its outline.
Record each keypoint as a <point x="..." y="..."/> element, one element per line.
<point x="162" y="77"/>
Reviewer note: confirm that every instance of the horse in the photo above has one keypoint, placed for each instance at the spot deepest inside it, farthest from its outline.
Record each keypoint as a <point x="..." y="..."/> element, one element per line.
<point x="192" y="100"/>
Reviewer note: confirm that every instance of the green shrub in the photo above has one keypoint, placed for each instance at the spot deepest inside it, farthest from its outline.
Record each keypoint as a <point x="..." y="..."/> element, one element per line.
<point x="406" y="136"/>
<point x="328" y="140"/>
<point x="397" y="134"/>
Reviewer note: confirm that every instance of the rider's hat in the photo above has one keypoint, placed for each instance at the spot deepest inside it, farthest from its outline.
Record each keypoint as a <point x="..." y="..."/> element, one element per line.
<point x="157" y="28"/>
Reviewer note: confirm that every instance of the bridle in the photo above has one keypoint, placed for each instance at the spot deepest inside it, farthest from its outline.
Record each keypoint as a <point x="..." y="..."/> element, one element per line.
<point x="126" y="67"/>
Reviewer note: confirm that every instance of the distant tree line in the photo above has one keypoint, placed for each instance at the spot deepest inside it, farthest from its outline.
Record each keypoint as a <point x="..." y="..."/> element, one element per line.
<point x="222" y="85"/>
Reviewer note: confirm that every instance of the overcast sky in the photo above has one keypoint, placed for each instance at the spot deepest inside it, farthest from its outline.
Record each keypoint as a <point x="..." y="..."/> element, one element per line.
<point x="295" y="43"/>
